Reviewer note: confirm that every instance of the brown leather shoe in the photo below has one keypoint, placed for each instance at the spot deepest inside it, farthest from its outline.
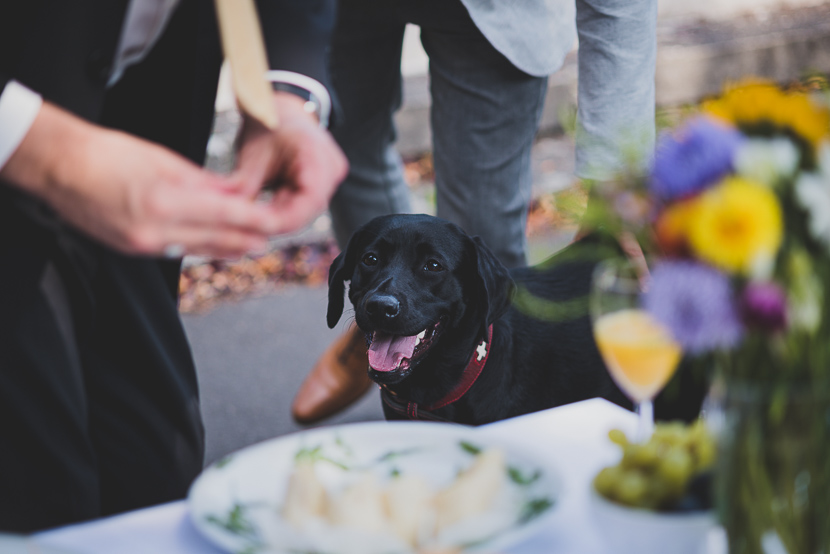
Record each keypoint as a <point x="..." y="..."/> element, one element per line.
<point x="338" y="379"/>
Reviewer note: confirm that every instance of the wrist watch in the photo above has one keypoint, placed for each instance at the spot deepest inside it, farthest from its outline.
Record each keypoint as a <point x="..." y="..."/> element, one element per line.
<point x="317" y="99"/>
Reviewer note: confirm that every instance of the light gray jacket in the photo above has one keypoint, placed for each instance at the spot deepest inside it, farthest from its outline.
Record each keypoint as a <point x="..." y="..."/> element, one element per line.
<point x="617" y="55"/>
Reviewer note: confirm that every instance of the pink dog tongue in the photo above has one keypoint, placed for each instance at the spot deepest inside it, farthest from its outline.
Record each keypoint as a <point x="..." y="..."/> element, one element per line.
<point x="387" y="351"/>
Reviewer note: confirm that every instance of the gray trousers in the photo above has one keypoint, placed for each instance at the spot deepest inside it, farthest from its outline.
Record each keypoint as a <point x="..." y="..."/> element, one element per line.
<point x="485" y="114"/>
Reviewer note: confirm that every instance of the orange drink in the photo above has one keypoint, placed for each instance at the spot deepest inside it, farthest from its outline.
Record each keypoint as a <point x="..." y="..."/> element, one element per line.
<point x="640" y="352"/>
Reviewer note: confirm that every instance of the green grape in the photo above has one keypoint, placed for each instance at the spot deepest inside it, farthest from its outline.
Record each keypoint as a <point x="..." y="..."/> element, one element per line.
<point x="648" y="455"/>
<point x="705" y="453"/>
<point x="618" y="437"/>
<point x="632" y="488"/>
<point x="676" y="468"/>
<point x="673" y="433"/>
<point x="655" y="475"/>
<point x="641" y="456"/>
<point x="606" y="481"/>
<point x="629" y="457"/>
<point x="698" y="429"/>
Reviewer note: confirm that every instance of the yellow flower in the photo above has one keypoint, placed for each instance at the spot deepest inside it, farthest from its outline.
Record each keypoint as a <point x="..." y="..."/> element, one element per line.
<point x="737" y="226"/>
<point x="672" y="225"/>
<point x="753" y="103"/>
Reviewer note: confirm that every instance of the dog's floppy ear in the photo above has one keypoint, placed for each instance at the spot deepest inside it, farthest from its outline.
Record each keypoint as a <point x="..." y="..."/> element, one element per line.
<point x="495" y="285"/>
<point x="337" y="289"/>
<point x="341" y="270"/>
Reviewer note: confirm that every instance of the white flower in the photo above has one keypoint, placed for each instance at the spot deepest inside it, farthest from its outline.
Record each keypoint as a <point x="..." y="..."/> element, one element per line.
<point x="804" y="305"/>
<point x="824" y="158"/>
<point x="762" y="266"/>
<point x="767" y="161"/>
<point x="812" y="191"/>
<point x="806" y="292"/>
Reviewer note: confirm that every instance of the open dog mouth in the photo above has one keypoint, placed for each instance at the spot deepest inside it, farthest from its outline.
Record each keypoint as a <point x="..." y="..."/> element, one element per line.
<point x="392" y="356"/>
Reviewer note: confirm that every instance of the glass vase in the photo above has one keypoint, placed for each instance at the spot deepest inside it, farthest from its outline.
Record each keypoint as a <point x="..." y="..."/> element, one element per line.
<point x="772" y="482"/>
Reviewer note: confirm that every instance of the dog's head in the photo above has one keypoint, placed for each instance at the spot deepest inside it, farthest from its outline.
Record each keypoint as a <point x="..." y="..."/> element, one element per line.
<point x="413" y="279"/>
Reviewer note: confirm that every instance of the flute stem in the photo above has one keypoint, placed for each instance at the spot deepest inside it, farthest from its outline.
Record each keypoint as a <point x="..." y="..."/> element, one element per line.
<point x="645" y="423"/>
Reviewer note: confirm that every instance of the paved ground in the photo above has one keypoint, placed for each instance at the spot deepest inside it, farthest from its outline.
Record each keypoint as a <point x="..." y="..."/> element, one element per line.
<point x="252" y="356"/>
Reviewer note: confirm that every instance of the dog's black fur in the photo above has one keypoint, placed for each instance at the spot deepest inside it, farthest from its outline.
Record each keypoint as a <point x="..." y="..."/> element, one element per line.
<point x="408" y="272"/>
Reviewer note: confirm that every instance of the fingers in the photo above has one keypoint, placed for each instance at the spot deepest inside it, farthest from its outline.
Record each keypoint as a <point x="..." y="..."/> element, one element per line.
<point x="202" y="221"/>
<point x="298" y="153"/>
<point x="183" y="239"/>
<point x="302" y="157"/>
<point x="297" y="208"/>
<point x="216" y="243"/>
<point x="257" y="153"/>
<point x="216" y="208"/>
<point x="297" y="202"/>
<point x="176" y="240"/>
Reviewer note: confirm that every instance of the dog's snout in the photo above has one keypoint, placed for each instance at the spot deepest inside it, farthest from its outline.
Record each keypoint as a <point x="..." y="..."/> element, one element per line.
<point x="383" y="305"/>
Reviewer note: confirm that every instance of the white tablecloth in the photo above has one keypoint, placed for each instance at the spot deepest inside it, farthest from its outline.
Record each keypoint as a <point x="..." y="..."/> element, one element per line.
<point x="573" y="438"/>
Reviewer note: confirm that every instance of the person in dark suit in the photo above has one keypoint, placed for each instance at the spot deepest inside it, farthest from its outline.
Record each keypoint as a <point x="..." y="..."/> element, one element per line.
<point x="106" y="107"/>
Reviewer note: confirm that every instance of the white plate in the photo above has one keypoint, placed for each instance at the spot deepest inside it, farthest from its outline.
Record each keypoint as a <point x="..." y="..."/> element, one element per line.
<point x="19" y="544"/>
<point x="236" y="502"/>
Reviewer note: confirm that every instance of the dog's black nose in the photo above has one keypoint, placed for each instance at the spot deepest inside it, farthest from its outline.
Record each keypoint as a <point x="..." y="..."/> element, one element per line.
<point x="383" y="305"/>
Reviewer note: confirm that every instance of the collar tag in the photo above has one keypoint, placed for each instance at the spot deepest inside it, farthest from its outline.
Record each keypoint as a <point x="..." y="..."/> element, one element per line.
<point x="481" y="351"/>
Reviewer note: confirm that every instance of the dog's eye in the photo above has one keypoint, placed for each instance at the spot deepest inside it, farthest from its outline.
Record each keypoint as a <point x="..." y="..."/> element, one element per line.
<point x="432" y="265"/>
<point x="370" y="259"/>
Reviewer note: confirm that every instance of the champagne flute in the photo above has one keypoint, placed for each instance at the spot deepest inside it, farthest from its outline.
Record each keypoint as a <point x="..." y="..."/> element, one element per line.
<point x="640" y="353"/>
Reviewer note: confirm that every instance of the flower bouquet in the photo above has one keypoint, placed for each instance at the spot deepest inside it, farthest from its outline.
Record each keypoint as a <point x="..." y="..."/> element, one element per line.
<point x="735" y="207"/>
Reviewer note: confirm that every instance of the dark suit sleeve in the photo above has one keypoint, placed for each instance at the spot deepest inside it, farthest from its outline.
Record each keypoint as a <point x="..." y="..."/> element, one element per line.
<point x="297" y="35"/>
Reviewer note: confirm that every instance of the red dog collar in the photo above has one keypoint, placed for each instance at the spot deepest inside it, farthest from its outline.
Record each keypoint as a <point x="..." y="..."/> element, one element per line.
<point x="474" y="367"/>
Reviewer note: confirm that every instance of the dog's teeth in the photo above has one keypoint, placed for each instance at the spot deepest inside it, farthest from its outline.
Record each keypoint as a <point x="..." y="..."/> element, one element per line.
<point x="422" y="334"/>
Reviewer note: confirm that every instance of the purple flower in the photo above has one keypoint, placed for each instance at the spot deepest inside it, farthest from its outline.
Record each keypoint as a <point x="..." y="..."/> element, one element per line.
<point x="764" y="306"/>
<point x="695" y="302"/>
<point x="689" y="161"/>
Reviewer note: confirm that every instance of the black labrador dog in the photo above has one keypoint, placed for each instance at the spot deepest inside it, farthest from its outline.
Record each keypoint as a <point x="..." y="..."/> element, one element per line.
<point x="454" y="335"/>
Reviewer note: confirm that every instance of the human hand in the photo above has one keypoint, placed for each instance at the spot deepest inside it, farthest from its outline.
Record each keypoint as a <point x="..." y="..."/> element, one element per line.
<point x="299" y="158"/>
<point x="133" y="195"/>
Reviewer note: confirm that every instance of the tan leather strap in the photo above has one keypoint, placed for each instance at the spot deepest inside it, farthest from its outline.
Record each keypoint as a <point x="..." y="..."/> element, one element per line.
<point x="244" y="50"/>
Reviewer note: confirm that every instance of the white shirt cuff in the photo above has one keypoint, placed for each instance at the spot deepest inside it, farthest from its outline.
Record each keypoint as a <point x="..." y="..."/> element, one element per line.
<point x="18" y="108"/>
